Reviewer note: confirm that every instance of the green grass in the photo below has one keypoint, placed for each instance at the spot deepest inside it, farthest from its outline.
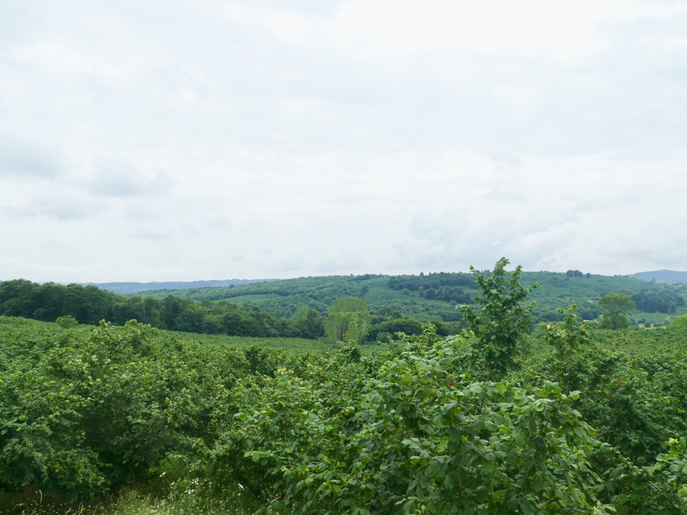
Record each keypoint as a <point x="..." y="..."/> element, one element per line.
<point x="139" y="502"/>
<point x="656" y="319"/>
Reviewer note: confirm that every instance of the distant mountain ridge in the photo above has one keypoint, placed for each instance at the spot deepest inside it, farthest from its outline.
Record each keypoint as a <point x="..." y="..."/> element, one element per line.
<point x="124" y="288"/>
<point x="662" y="276"/>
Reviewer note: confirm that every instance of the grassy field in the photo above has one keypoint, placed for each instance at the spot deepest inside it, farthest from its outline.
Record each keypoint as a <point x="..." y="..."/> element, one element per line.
<point x="132" y="501"/>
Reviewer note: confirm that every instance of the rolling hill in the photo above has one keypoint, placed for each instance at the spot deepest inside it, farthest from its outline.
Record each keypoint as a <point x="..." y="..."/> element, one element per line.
<point x="124" y="288"/>
<point x="662" y="276"/>
<point x="434" y="296"/>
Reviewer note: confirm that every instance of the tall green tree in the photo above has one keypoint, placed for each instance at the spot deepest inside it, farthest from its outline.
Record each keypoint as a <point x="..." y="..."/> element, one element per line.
<point x="617" y="306"/>
<point x="348" y="320"/>
<point x="501" y="319"/>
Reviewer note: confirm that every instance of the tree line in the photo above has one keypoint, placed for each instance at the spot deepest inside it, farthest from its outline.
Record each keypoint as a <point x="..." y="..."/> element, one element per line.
<point x="89" y="305"/>
<point x="51" y="302"/>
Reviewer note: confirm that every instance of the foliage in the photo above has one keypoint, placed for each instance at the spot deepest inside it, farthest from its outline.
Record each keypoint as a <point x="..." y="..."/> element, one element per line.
<point x="66" y="322"/>
<point x="664" y="300"/>
<point x="429" y="297"/>
<point x="308" y="323"/>
<point x="269" y="309"/>
<point x="431" y="281"/>
<point x="501" y="320"/>
<point x="89" y="305"/>
<point x="569" y="341"/>
<point x="397" y="325"/>
<point x="679" y="324"/>
<point x="80" y="415"/>
<point x="586" y="420"/>
<point x="348" y="320"/>
<point x="616" y="305"/>
<point x="421" y="438"/>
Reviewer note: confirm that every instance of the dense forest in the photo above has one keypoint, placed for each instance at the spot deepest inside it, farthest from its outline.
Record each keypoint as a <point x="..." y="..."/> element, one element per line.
<point x="507" y="417"/>
<point x="90" y="305"/>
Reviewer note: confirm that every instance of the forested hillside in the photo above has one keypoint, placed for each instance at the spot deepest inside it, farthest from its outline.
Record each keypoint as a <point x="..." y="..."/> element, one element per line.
<point x="563" y="419"/>
<point x="433" y="297"/>
<point x="90" y="305"/>
<point x="124" y="288"/>
<point x="299" y="307"/>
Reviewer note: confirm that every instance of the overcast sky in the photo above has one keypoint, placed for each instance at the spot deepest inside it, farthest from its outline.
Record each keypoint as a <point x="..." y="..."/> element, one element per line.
<point x="181" y="140"/>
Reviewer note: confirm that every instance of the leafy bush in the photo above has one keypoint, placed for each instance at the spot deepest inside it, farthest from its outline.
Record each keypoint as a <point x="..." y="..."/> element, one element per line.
<point x="586" y="421"/>
<point x="66" y="322"/>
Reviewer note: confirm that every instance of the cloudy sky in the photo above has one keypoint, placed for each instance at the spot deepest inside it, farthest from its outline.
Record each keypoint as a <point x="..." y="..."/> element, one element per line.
<point x="189" y="139"/>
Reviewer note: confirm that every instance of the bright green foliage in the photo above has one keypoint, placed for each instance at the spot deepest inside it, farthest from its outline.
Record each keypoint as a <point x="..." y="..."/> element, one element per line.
<point x="501" y="319"/>
<point x="348" y="320"/>
<point x="617" y="306"/>
<point x="679" y="324"/>
<point x="635" y="396"/>
<point x="569" y="337"/>
<point x="673" y="467"/>
<point x="586" y="421"/>
<point x="421" y="439"/>
<point x="66" y="322"/>
<point x="568" y="340"/>
<point x="81" y="415"/>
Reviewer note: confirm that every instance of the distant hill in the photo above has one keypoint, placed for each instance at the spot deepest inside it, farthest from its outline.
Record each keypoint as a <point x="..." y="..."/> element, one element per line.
<point x="432" y="297"/>
<point x="662" y="276"/>
<point x="435" y="296"/>
<point x="128" y="288"/>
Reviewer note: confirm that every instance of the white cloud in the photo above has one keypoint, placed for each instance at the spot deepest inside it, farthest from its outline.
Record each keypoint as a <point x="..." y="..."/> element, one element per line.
<point x="47" y="201"/>
<point x="530" y="26"/>
<point x="115" y="176"/>
<point x="266" y="139"/>
<point x="29" y="160"/>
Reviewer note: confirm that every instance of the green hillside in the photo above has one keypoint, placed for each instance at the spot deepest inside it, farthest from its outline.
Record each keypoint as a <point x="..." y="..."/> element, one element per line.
<point x="434" y="296"/>
<point x="124" y="288"/>
<point x="300" y="307"/>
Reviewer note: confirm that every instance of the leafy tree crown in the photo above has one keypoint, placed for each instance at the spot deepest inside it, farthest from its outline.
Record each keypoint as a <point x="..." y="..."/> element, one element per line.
<point x="501" y="319"/>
